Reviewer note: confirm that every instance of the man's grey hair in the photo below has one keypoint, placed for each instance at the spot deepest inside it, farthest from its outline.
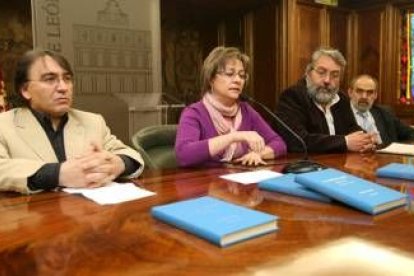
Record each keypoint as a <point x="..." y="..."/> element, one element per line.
<point x="335" y="54"/>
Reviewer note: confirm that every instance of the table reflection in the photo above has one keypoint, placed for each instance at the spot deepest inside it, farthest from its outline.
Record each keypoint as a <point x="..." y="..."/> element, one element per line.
<point x="246" y="195"/>
<point x="347" y="256"/>
<point x="362" y="165"/>
<point x="18" y="214"/>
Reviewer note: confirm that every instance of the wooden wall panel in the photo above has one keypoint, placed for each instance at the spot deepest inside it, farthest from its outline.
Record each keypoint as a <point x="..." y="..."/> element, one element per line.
<point x="338" y="23"/>
<point x="390" y="56"/>
<point x="338" y="35"/>
<point x="308" y="37"/>
<point x="369" y="42"/>
<point x="186" y="40"/>
<point x="264" y="56"/>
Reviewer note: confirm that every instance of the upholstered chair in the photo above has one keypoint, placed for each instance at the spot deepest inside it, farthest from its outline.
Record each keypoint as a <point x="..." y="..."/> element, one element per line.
<point x="156" y="145"/>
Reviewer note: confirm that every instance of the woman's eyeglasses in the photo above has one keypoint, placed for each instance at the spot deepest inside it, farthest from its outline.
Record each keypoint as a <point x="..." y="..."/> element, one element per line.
<point x="231" y="74"/>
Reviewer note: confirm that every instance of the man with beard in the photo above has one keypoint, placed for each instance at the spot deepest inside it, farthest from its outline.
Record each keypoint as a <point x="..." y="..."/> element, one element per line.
<point x="318" y="112"/>
<point x="374" y="119"/>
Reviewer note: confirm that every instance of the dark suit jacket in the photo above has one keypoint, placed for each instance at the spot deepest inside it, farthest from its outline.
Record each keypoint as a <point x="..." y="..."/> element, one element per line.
<point x="390" y="127"/>
<point x="297" y="109"/>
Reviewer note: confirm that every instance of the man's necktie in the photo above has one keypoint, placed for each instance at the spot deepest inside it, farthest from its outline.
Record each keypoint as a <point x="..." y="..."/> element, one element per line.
<point x="368" y="126"/>
<point x="366" y="122"/>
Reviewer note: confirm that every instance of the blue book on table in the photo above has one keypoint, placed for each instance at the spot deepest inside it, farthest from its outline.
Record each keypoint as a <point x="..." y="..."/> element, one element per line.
<point x="397" y="170"/>
<point x="286" y="184"/>
<point x="217" y="221"/>
<point x="359" y="193"/>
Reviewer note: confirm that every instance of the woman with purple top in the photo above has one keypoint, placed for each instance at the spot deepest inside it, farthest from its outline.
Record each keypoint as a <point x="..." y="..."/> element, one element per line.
<point x="221" y="128"/>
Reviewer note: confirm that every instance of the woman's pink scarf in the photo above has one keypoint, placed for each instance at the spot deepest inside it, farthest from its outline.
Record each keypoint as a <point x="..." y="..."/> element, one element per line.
<point x="226" y="119"/>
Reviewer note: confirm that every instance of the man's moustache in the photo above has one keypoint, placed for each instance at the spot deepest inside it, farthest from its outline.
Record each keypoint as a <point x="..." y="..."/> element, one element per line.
<point x="326" y="90"/>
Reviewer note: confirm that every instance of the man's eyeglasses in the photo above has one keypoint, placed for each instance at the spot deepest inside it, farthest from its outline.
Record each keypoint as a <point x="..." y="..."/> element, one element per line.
<point x="54" y="80"/>
<point x="323" y="73"/>
<point x="231" y="74"/>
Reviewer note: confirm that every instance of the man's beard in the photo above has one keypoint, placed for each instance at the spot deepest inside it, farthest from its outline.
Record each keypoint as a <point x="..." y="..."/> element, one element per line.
<point x="363" y="106"/>
<point x="321" y="94"/>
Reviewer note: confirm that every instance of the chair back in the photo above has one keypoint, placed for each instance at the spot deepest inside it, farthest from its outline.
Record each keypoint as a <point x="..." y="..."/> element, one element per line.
<point x="156" y="145"/>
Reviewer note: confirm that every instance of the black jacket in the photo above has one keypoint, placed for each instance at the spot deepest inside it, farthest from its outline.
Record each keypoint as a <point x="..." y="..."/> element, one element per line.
<point x="297" y="110"/>
<point x="390" y="127"/>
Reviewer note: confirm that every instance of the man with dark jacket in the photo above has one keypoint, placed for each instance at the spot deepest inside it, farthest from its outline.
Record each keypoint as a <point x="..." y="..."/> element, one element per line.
<point x="374" y="118"/>
<point x="318" y="112"/>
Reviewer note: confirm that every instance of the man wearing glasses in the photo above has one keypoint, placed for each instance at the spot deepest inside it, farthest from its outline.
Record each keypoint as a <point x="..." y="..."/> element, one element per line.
<point x="44" y="143"/>
<point x="373" y="118"/>
<point x="317" y="111"/>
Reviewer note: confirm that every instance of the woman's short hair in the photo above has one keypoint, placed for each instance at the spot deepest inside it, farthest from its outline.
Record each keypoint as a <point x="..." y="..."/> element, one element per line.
<point x="23" y="66"/>
<point x="217" y="60"/>
<point x="335" y="54"/>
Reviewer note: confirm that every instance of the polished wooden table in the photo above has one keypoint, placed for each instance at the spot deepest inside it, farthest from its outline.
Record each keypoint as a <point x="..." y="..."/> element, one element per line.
<point x="54" y="233"/>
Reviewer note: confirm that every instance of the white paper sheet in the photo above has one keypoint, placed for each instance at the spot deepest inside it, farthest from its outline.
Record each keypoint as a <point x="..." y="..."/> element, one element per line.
<point x="112" y="193"/>
<point x="251" y="177"/>
<point x="398" y="148"/>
